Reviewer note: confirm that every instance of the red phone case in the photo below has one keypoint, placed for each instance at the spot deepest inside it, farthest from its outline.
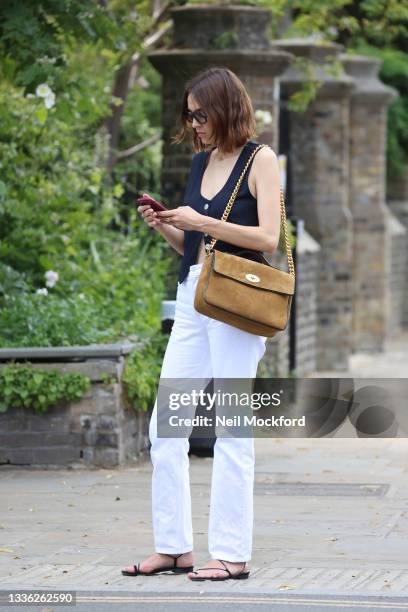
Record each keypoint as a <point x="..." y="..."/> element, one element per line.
<point x="153" y="203"/>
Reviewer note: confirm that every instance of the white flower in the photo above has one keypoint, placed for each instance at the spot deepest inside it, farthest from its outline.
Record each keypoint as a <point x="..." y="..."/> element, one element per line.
<point x="49" y="100"/>
<point x="43" y="90"/>
<point x="51" y="278"/>
<point x="81" y="296"/>
<point x="30" y="95"/>
<point x="143" y="82"/>
<point x="42" y="291"/>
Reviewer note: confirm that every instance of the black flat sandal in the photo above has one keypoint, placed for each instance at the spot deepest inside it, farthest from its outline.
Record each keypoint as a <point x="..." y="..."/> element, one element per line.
<point x="240" y="576"/>
<point x="170" y="568"/>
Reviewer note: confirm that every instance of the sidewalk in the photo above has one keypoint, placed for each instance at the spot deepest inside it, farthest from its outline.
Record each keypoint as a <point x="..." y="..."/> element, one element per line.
<point x="331" y="519"/>
<point x="391" y="363"/>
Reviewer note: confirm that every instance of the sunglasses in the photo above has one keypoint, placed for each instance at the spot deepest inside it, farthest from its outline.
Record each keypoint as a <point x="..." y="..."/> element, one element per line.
<point x="200" y="116"/>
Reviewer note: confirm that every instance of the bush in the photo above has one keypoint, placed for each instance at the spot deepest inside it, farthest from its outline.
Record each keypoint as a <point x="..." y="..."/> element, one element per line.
<point x="142" y="372"/>
<point x="58" y="214"/>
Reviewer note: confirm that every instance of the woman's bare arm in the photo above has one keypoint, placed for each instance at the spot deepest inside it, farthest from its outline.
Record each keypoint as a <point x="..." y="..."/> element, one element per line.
<point x="173" y="235"/>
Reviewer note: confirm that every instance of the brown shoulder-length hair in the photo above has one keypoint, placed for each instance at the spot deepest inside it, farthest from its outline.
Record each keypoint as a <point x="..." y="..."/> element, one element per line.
<point x="222" y="95"/>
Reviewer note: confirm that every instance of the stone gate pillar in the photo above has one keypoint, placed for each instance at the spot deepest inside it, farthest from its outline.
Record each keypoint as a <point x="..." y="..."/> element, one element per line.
<point x="214" y="36"/>
<point x="319" y="166"/>
<point x="371" y="249"/>
<point x="398" y="202"/>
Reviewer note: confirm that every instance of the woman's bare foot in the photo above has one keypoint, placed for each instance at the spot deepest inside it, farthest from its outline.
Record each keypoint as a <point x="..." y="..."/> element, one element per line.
<point x="234" y="568"/>
<point x="162" y="560"/>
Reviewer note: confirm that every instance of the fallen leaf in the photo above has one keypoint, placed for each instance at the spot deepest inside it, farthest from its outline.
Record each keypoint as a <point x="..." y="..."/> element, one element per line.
<point x="285" y="587"/>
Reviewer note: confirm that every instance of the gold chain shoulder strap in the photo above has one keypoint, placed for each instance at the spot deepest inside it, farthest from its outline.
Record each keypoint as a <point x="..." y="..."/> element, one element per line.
<point x="227" y="210"/>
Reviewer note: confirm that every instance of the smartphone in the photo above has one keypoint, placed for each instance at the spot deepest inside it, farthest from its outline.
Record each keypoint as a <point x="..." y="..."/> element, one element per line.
<point x="153" y="203"/>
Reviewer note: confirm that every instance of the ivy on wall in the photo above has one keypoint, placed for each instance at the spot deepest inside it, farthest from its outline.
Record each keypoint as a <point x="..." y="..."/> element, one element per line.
<point x="24" y="386"/>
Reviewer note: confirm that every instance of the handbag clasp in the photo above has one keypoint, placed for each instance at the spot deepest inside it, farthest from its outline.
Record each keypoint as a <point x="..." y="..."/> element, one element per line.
<point x="253" y="278"/>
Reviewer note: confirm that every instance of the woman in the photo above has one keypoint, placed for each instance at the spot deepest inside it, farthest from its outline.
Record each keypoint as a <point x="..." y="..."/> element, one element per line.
<point x="217" y="110"/>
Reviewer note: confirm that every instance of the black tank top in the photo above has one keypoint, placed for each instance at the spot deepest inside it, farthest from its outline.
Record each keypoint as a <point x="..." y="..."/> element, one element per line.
<point x="244" y="209"/>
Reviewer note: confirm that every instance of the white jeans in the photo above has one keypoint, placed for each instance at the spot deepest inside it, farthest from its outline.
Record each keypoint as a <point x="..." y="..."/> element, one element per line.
<point x="201" y="347"/>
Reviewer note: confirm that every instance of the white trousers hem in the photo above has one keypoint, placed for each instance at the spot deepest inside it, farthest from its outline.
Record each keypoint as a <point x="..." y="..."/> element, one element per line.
<point x="173" y="552"/>
<point x="225" y="557"/>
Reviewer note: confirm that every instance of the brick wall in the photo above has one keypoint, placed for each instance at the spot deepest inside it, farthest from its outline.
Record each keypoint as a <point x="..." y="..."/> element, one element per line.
<point x="397" y="310"/>
<point x="307" y="268"/>
<point x="99" y="430"/>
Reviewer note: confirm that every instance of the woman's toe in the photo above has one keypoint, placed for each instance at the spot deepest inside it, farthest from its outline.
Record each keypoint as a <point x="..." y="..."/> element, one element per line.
<point x="205" y="573"/>
<point x="192" y="574"/>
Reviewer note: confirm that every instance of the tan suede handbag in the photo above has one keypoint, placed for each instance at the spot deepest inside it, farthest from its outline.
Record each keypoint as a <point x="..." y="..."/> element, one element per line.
<point x="251" y="295"/>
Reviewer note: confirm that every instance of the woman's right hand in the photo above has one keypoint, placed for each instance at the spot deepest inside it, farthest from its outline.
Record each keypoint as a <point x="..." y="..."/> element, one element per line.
<point x="173" y="235"/>
<point x="149" y="216"/>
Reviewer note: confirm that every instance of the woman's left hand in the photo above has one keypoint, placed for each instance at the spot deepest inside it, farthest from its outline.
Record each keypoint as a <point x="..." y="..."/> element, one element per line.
<point x="183" y="217"/>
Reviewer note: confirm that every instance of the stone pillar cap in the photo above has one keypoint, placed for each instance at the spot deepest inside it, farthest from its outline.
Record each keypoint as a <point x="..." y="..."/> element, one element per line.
<point x="364" y="70"/>
<point x="265" y="62"/>
<point x="206" y="26"/>
<point x="317" y="50"/>
<point x="320" y="53"/>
